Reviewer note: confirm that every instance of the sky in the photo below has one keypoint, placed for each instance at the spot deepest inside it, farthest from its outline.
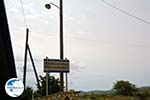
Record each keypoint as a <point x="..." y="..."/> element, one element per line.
<point x="103" y="43"/>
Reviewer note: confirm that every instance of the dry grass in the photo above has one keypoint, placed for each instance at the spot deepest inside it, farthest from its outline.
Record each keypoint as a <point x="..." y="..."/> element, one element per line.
<point x="108" y="97"/>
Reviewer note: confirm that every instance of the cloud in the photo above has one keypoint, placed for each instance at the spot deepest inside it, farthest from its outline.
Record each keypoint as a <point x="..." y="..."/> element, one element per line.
<point x="101" y="44"/>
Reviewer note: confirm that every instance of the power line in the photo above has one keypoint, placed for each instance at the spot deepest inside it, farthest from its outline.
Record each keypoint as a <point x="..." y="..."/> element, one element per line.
<point x="125" y="12"/>
<point x="23" y="13"/>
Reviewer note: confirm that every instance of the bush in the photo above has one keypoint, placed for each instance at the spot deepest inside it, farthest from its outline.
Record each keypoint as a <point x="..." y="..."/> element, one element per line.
<point x="124" y="88"/>
<point x="93" y="96"/>
<point x="143" y="94"/>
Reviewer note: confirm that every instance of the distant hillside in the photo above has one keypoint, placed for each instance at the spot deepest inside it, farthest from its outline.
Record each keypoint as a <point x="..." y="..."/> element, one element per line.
<point x="100" y="91"/>
<point x="97" y="92"/>
<point x="143" y="88"/>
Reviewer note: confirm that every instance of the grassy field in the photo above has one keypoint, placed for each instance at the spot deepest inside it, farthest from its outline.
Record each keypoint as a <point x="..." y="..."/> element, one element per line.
<point x="109" y="97"/>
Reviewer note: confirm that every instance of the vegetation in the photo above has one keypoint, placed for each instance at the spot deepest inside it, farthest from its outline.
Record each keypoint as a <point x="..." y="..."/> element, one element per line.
<point x="53" y="85"/>
<point x="144" y="93"/>
<point x="107" y="97"/>
<point x="27" y="95"/>
<point x="124" y="88"/>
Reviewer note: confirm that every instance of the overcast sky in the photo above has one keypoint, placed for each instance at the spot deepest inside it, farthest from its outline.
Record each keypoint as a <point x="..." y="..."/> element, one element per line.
<point x="102" y="43"/>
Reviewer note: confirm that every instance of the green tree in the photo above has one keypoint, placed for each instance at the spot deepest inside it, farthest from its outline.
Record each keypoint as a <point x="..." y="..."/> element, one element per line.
<point x="143" y="94"/>
<point x="53" y="85"/>
<point x="27" y="95"/>
<point x="124" y="88"/>
<point x="36" y="94"/>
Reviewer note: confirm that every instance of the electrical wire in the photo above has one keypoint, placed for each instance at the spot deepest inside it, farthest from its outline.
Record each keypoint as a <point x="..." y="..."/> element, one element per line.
<point x="23" y="13"/>
<point x="125" y="12"/>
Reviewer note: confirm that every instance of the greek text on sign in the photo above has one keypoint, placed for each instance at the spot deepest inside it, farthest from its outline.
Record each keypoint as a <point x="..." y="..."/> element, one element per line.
<point x="56" y="65"/>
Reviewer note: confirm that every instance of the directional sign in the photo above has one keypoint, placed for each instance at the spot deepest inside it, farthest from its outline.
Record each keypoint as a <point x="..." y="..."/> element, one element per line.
<point x="56" y="65"/>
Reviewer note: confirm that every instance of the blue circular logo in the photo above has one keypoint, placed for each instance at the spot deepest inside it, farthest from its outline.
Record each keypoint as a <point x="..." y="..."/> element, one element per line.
<point x="14" y="87"/>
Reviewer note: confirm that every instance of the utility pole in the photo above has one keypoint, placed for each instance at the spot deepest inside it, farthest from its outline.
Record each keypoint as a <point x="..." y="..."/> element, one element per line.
<point x="27" y="49"/>
<point x="25" y="57"/>
<point x="61" y="45"/>
<point x="60" y="7"/>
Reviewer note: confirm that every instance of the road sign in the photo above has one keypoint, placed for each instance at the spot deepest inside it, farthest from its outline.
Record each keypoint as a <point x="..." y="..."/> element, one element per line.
<point x="56" y="65"/>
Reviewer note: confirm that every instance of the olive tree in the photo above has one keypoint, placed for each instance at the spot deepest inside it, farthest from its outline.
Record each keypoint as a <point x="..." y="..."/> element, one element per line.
<point x="124" y="88"/>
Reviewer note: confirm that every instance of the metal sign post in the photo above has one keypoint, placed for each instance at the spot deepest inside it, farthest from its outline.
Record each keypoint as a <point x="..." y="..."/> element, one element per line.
<point x="46" y="83"/>
<point x="58" y="66"/>
<point x="66" y="82"/>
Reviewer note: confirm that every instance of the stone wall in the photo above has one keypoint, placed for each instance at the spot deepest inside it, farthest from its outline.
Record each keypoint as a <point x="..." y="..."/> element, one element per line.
<point x="61" y="96"/>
